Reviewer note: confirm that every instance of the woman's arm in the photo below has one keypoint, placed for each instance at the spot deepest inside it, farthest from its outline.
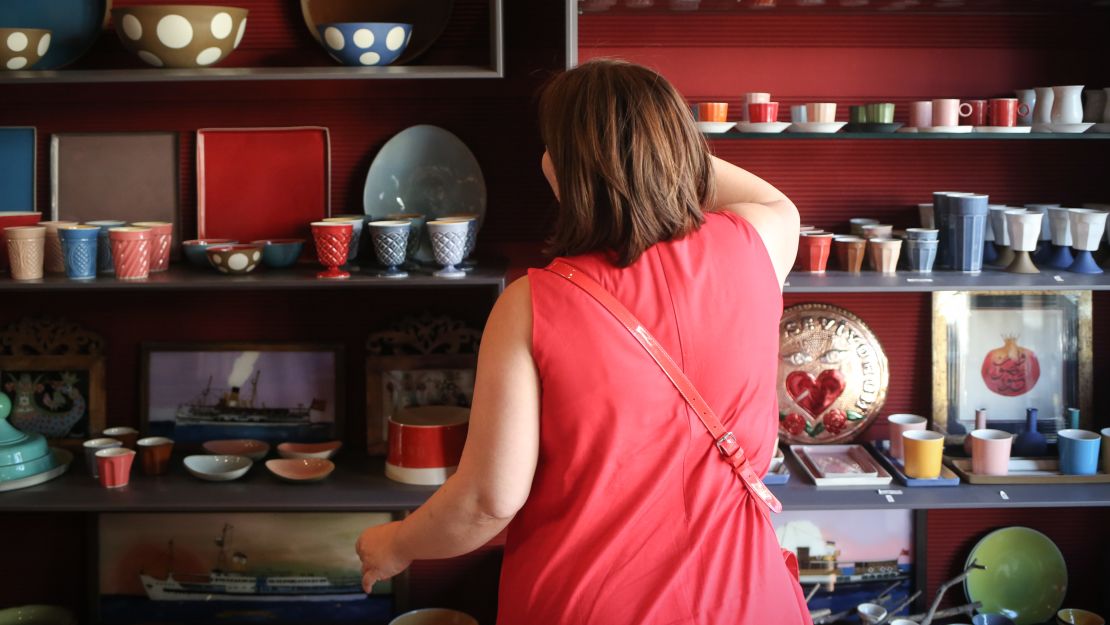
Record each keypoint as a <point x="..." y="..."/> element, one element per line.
<point x="772" y="214"/>
<point x="498" y="462"/>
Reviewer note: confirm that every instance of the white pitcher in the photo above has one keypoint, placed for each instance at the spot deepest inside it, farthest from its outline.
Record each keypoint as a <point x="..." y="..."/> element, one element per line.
<point x="1042" y="114"/>
<point x="1094" y="106"/>
<point x="1067" y="104"/>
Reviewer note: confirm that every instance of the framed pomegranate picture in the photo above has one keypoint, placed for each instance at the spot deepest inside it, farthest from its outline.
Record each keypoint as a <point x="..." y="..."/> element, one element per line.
<point x="1008" y="351"/>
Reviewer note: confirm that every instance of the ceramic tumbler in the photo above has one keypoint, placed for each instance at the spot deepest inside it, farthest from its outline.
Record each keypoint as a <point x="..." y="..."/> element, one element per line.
<point x="1104" y="448"/>
<point x="1024" y="227"/>
<point x="448" y="246"/>
<point x="856" y="224"/>
<point x="921" y="254"/>
<point x="872" y="231"/>
<point x="857" y="114"/>
<point x="94" y="445"/>
<point x="977" y="113"/>
<point x="990" y="451"/>
<point x="79" y="251"/>
<point x="131" y="252"/>
<point x="948" y="111"/>
<point x="104" y="264"/>
<point x="161" y="240"/>
<point x="390" y="239"/>
<point x="900" y="423"/>
<point x="1093" y="105"/>
<point x="356" y="222"/>
<point x="26" y="251"/>
<point x="1078" y="451"/>
<point x="798" y="114"/>
<point x="923" y="450"/>
<point x="813" y="251"/>
<point x="154" y="454"/>
<point x="749" y="98"/>
<point x="821" y="112"/>
<point x="921" y="114"/>
<point x="1087" y="228"/>
<point x="417" y="232"/>
<point x="1046" y="231"/>
<point x="1067" y="104"/>
<point x="997" y="215"/>
<point x="850" y="252"/>
<point x="127" y="436"/>
<point x="1059" y="225"/>
<point x="1028" y="97"/>
<point x="967" y="218"/>
<point x="763" y="112"/>
<point x="925" y="215"/>
<point x="473" y="223"/>
<point x="922" y="234"/>
<point x="1042" y="110"/>
<point x="884" y="254"/>
<point x="712" y="111"/>
<point x="1005" y="111"/>
<point x="114" y="466"/>
<point x="54" y="259"/>
<point x="332" y="240"/>
<point x="426" y="443"/>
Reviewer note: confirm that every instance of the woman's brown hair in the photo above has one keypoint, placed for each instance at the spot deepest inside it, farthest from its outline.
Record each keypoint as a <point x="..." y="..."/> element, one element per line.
<point x="632" y="167"/>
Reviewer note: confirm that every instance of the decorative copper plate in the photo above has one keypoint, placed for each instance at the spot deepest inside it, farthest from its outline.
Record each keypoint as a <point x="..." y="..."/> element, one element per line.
<point x="832" y="375"/>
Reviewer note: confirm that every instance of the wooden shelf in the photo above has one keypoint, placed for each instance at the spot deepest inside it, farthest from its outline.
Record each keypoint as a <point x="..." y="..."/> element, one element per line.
<point x="907" y="282"/>
<point x="252" y="73"/>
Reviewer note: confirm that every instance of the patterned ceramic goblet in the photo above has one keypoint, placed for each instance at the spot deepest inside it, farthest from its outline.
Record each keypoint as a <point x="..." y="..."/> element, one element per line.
<point x="1024" y="227"/>
<point x="333" y="241"/>
<point x="448" y="246"/>
<point x="356" y="222"/>
<point x="390" y="240"/>
<point x="473" y="224"/>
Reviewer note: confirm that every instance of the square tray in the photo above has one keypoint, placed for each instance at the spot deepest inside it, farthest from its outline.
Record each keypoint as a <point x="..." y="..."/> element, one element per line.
<point x="17" y="168"/>
<point x="1025" y="471"/>
<point x="881" y="477"/>
<point x="882" y="452"/>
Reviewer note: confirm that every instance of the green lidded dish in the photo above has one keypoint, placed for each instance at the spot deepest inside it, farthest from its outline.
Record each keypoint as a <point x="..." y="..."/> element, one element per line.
<point x="1025" y="579"/>
<point x="21" y="455"/>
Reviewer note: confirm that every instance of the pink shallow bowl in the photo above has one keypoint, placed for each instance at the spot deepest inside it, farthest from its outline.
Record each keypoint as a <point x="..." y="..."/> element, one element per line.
<point x="255" y="450"/>
<point x="309" y="450"/>
<point x="301" y="469"/>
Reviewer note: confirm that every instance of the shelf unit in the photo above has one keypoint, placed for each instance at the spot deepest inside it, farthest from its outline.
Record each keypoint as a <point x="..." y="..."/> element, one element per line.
<point x="910" y="136"/>
<point x="909" y="282"/>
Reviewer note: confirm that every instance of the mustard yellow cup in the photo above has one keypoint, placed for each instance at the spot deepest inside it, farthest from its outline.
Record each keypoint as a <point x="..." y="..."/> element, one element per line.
<point x="923" y="450"/>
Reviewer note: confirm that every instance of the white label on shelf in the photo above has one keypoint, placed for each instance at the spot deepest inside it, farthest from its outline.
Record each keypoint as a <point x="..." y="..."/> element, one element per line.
<point x="1003" y="495"/>
<point x="890" y="498"/>
<point x="919" y="279"/>
<point x="1058" y="278"/>
<point x="889" y="491"/>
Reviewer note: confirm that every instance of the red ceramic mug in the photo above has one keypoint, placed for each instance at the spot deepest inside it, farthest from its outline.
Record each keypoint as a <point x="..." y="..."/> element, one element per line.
<point x="1005" y="111"/>
<point x="763" y="112"/>
<point x="426" y="443"/>
<point x="114" y="466"/>
<point x="813" y="251"/>
<point x="977" y="113"/>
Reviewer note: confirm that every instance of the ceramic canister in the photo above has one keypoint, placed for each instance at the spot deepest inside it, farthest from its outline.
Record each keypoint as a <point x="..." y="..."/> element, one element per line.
<point x="131" y="252"/>
<point x="104" y="262"/>
<point x="55" y="262"/>
<point x="26" y="249"/>
<point x="425" y="443"/>
<point x="79" y="251"/>
<point x="161" y="240"/>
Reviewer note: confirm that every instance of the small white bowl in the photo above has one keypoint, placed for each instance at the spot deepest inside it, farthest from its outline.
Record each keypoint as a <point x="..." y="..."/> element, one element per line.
<point x="249" y="447"/>
<point x="218" y="468"/>
<point x="323" y="450"/>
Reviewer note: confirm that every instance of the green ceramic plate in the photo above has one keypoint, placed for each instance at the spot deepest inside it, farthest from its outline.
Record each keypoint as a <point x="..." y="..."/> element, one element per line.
<point x="1026" y="577"/>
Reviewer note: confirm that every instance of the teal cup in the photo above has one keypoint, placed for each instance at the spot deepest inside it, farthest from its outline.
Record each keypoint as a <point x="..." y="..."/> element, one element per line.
<point x="104" y="262"/>
<point x="1078" y="451"/>
<point x="79" y="251"/>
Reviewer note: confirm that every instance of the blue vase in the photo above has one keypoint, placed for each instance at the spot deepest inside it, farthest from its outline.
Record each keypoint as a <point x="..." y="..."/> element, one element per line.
<point x="1030" y="442"/>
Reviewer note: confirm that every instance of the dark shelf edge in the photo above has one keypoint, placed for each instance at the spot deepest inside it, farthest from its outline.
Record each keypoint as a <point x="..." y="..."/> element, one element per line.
<point x="895" y="136"/>
<point x="909" y="282"/>
<point x="407" y="72"/>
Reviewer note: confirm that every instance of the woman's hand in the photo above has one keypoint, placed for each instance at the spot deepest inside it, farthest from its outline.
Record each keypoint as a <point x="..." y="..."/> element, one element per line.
<point x="376" y="547"/>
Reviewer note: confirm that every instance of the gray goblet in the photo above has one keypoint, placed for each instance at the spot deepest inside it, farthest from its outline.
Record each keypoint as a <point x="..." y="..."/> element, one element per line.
<point x="473" y="224"/>
<point x="448" y="246"/>
<point x="416" y="234"/>
<point x="390" y="239"/>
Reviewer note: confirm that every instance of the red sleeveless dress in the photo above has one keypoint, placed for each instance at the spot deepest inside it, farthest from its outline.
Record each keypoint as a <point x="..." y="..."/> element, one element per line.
<point x="633" y="517"/>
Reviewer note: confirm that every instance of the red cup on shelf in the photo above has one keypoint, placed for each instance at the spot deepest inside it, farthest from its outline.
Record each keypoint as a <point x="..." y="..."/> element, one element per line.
<point x="426" y="443"/>
<point x="763" y="112"/>
<point x="161" y="240"/>
<point x="131" y="251"/>
<point x="333" y="242"/>
<point x="1005" y="111"/>
<point x="712" y="111"/>
<point x="114" y="466"/>
<point x="977" y="113"/>
<point x="813" y="251"/>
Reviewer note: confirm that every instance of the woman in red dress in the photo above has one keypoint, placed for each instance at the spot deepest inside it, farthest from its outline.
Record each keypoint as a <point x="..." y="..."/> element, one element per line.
<point x="618" y="506"/>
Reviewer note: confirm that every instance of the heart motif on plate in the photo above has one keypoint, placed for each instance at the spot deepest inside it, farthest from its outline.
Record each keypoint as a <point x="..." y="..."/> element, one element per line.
<point x="815" y="395"/>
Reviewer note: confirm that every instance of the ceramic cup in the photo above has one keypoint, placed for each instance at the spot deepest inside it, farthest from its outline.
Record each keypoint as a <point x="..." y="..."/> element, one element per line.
<point x="870" y="613"/>
<point x="1073" y="616"/>
<point x="857" y="114"/>
<point x="1093" y="105"/>
<point x="997" y="216"/>
<point x="1087" y="227"/>
<point x="872" y="231"/>
<point x="990" y="451"/>
<point x="131" y="252"/>
<point x="417" y="232"/>
<point x="473" y="223"/>
<point x="1078" y="452"/>
<point x="104" y="264"/>
<point x="977" y="113"/>
<point x="923" y="450"/>
<point x="425" y="443"/>
<point x="356" y="222"/>
<point x="813" y="251"/>
<point x="880" y="113"/>
<point x="114" y="466"/>
<point x="94" y="445"/>
<point x="922" y="234"/>
<point x="154" y="454"/>
<point x="1059" y="226"/>
<point x="434" y="616"/>
<point x="921" y="254"/>
<point x="26" y="251"/>
<point x="1024" y="228"/>
<point x="947" y="112"/>
<point x="1006" y="111"/>
<point x="925" y="215"/>
<point x="79" y="251"/>
<point x="921" y="114"/>
<point x="1046" y="232"/>
<point x="55" y="259"/>
<point x="850" y="252"/>
<point x="1105" y="449"/>
<point x="333" y="241"/>
<point x="15" y="218"/>
<point x="161" y="240"/>
<point x="798" y="114"/>
<point x="127" y="436"/>
<point x="712" y="111"/>
<point x="856" y="224"/>
<point x="991" y="619"/>
<point x="390" y="239"/>
<point x="1028" y="97"/>
<point x="884" y="254"/>
<point x="940" y="217"/>
<point x="448" y="246"/>
<point x="821" y="112"/>
<point x="763" y="112"/>
<point x="900" y="423"/>
<point x="749" y="98"/>
<point x="967" y="218"/>
<point x="1067" y="104"/>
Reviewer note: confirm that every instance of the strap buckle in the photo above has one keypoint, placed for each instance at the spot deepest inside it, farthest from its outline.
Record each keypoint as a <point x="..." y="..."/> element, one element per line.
<point x="727" y="445"/>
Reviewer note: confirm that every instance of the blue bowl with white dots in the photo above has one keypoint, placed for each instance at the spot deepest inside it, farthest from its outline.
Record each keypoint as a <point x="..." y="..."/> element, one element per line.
<point x="365" y="44"/>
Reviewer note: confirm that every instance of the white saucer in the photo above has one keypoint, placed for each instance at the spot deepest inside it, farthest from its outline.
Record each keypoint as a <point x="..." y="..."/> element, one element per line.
<point x="764" y="127"/>
<point x="1016" y="130"/>
<point x="1063" y="128"/>
<point x="948" y="129"/>
<point x="825" y="127"/>
<point x="715" y="127"/>
<point x="62" y="458"/>
<point x="1101" y="127"/>
<point x="907" y="129"/>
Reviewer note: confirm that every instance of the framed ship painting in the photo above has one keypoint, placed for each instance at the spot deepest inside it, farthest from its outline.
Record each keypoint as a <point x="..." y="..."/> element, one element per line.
<point x="270" y="392"/>
<point x="1009" y="351"/>
<point x="236" y="568"/>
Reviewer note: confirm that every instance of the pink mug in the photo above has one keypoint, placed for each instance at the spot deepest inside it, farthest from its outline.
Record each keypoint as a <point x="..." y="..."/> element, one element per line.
<point x="763" y="112"/>
<point x="990" y="452"/>
<point x="947" y="112"/>
<point x="1005" y="111"/>
<point x="921" y="114"/>
<point x="976" y="115"/>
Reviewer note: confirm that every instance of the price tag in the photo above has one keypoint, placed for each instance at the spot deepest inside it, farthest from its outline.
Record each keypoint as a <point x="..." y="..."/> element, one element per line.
<point x="889" y="491"/>
<point x="890" y="498"/>
<point x="919" y="279"/>
<point x="1058" y="278"/>
<point x="1003" y="495"/>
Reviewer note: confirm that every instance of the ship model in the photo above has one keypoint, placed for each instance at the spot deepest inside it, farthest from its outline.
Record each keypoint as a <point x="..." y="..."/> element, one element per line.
<point x="231" y="408"/>
<point x="229" y="581"/>
<point x="825" y="569"/>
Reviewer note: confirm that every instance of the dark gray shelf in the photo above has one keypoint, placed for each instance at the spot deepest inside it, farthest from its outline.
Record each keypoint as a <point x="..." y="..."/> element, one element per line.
<point x="184" y="277"/>
<point x="906" y="281"/>
<point x="911" y="136"/>
<point x="251" y="73"/>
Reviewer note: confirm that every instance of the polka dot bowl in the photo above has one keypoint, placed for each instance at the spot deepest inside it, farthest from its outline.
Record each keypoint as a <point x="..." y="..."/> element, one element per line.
<point x="180" y="36"/>
<point x="21" y="48"/>
<point x="365" y="44"/>
<point x="234" y="259"/>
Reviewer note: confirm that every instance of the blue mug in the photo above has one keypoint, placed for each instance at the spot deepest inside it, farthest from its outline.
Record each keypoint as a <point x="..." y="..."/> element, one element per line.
<point x="104" y="262"/>
<point x="1078" y="451"/>
<point x="79" y="251"/>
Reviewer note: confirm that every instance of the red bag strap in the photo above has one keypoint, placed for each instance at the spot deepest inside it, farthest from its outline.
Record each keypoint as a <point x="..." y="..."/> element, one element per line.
<point x="725" y="441"/>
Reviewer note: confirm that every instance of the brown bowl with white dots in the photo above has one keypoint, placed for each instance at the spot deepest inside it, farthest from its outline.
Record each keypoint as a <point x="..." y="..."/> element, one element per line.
<point x="21" y="48"/>
<point x="234" y="259"/>
<point x="178" y="35"/>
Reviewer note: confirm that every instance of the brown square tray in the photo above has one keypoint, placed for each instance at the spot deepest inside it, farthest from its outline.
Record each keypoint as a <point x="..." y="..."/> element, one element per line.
<point x="1024" y="471"/>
